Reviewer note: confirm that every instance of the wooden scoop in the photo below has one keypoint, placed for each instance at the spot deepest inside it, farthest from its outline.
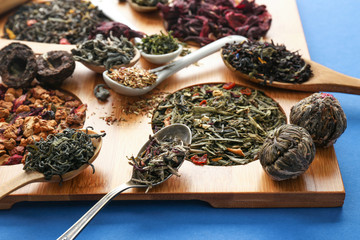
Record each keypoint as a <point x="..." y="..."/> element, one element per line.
<point x="22" y="178"/>
<point x="323" y="80"/>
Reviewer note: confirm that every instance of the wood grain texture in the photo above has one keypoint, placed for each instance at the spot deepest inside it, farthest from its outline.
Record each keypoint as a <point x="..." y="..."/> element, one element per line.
<point x="236" y="186"/>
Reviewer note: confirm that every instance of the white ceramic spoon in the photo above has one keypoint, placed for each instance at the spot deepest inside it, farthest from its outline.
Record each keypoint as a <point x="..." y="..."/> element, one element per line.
<point x="164" y="72"/>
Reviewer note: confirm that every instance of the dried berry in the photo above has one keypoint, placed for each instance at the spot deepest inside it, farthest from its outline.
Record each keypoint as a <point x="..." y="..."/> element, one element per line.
<point x="322" y="116"/>
<point x="54" y="67"/>
<point x="205" y="21"/>
<point x="17" y="65"/>
<point x="287" y="152"/>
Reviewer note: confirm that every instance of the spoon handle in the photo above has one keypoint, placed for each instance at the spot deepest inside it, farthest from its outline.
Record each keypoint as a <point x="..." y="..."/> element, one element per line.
<point x="167" y="70"/>
<point x="75" y="229"/>
<point x="20" y="179"/>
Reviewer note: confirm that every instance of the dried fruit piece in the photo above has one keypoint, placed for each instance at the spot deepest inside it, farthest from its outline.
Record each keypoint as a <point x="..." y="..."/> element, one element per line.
<point x="17" y="65"/>
<point x="54" y="67"/>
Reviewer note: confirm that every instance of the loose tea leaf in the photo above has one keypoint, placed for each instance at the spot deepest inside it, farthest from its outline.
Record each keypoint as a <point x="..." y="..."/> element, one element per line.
<point x="267" y="61"/>
<point x="287" y="152"/>
<point x="55" y="21"/>
<point x="228" y="123"/>
<point x="149" y="3"/>
<point x="105" y="52"/>
<point x="205" y="21"/>
<point x="158" y="161"/>
<point x="158" y="44"/>
<point x="101" y="92"/>
<point x="132" y="77"/>
<point x="322" y="116"/>
<point x="60" y="153"/>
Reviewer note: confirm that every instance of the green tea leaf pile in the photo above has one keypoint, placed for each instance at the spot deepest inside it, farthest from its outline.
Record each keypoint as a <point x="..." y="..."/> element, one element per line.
<point x="61" y="153"/>
<point x="228" y="122"/>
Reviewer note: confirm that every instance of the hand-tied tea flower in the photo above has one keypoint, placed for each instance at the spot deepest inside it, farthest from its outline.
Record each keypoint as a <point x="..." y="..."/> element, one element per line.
<point x="158" y="44"/>
<point x="205" y="21"/>
<point x="228" y="122"/>
<point x="149" y="3"/>
<point x="54" y="67"/>
<point x="287" y="152"/>
<point x="107" y="52"/>
<point x="263" y="60"/>
<point x="62" y="22"/>
<point x="322" y="116"/>
<point x="61" y="153"/>
<point x="132" y="77"/>
<point x="18" y="66"/>
<point x="158" y="161"/>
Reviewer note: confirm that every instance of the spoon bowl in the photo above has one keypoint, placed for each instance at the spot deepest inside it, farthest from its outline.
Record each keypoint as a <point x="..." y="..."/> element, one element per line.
<point x="22" y="178"/>
<point x="175" y="130"/>
<point x="162" y="58"/>
<point x="165" y="71"/>
<point x="323" y="80"/>
<point x="102" y="68"/>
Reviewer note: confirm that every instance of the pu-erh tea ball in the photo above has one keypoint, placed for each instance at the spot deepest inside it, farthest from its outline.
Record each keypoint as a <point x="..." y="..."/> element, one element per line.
<point x="17" y="65"/>
<point x="322" y="116"/>
<point x="287" y="152"/>
<point x="54" y="67"/>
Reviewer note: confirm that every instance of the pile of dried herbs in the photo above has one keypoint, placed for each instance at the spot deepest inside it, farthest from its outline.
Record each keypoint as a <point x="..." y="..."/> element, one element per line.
<point x="132" y="77"/>
<point x="106" y="52"/>
<point x="267" y="61"/>
<point x="205" y="21"/>
<point x="158" y="44"/>
<point x="149" y="3"/>
<point x="60" y="153"/>
<point x="229" y="123"/>
<point x="64" y="22"/>
<point x="158" y="161"/>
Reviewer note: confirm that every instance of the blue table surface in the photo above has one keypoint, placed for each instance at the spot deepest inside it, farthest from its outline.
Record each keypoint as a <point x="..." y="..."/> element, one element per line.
<point x="333" y="35"/>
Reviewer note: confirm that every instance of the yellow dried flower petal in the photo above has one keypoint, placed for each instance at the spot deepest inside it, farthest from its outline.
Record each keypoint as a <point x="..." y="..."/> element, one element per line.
<point x="10" y="33"/>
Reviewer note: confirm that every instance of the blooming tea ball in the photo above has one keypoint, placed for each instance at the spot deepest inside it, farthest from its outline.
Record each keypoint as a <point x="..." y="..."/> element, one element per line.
<point x="322" y="116"/>
<point x="287" y="152"/>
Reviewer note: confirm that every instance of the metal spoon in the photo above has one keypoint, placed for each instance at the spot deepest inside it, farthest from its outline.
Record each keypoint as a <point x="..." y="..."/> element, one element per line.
<point x="164" y="72"/>
<point x="175" y="130"/>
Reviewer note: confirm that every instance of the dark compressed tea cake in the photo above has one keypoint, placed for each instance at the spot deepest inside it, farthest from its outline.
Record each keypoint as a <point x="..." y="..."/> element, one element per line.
<point x="322" y="116"/>
<point x="54" y="67"/>
<point x="287" y="152"/>
<point x="17" y="65"/>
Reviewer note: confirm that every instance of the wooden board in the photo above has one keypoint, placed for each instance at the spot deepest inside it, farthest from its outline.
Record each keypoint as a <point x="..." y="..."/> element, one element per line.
<point x="236" y="186"/>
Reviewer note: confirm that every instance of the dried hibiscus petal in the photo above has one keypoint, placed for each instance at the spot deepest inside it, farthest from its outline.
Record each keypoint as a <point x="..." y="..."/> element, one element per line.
<point x="54" y="67"/>
<point x="17" y="65"/>
<point x="117" y="29"/>
<point x="207" y="20"/>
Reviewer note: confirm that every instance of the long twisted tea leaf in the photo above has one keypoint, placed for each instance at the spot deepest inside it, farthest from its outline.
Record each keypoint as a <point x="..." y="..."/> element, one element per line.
<point x="60" y="153"/>
<point x="229" y="123"/>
